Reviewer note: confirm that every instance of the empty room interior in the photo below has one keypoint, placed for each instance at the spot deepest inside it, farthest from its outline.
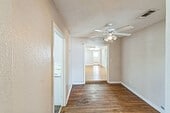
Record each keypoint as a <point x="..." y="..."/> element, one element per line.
<point x="95" y="63"/>
<point x="84" y="56"/>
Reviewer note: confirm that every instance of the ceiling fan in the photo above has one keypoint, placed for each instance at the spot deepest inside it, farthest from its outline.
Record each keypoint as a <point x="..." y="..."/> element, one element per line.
<point x="110" y="34"/>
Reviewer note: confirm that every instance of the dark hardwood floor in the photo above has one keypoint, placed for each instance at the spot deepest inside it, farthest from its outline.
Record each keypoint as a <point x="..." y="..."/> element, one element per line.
<point x="105" y="98"/>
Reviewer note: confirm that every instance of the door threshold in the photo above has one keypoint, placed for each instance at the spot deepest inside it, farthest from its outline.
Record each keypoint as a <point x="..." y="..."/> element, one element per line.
<point x="96" y="82"/>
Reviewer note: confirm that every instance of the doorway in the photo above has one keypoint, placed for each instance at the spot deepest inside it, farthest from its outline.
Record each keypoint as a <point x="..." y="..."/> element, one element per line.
<point x="58" y="69"/>
<point x="96" y="60"/>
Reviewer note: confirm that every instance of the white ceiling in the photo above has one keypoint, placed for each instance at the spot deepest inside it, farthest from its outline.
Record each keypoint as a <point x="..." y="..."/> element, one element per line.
<point x="83" y="16"/>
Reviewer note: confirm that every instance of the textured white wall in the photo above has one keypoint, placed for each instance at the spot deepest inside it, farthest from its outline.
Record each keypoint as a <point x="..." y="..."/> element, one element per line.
<point x="5" y="57"/>
<point x="167" y="98"/>
<point x="25" y="58"/>
<point x="114" y="62"/>
<point x="143" y="63"/>
<point x="77" y="64"/>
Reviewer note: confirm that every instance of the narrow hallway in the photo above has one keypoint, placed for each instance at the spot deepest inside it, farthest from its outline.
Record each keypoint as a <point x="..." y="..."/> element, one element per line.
<point x="105" y="98"/>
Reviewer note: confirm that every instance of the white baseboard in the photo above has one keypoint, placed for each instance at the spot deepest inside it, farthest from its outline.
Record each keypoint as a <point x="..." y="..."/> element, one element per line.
<point x="113" y="82"/>
<point x="68" y="94"/>
<point x="144" y="99"/>
<point x="78" y="83"/>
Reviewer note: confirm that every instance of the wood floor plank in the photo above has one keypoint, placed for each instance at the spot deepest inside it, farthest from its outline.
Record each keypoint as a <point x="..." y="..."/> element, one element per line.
<point x="105" y="98"/>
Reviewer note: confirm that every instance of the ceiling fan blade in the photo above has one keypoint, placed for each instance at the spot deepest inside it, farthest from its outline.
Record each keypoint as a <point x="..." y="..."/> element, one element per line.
<point x="125" y="28"/>
<point x="93" y="37"/>
<point x="121" y="34"/>
<point x="97" y="30"/>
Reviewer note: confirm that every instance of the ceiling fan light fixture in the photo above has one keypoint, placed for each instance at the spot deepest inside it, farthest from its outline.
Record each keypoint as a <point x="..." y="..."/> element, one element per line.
<point x="110" y="37"/>
<point x="114" y="37"/>
<point x="105" y="39"/>
<point x="110" y="34"/>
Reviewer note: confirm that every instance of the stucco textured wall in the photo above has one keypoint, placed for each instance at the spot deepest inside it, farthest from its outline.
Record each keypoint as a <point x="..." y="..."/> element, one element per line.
<point x="167" y="83"/>
<point x="25" y="55"/>
<point x="115" y="61"/>
<point x="143" y="63"/>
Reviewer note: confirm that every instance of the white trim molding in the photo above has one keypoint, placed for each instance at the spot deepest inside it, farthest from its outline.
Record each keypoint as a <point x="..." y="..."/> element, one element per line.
<point x="68" y="95"/>
<point x="56" y="30"/>
<point x="78" y="83"/>
<point x="143" y="98"/>
<point x="113" y="82"/>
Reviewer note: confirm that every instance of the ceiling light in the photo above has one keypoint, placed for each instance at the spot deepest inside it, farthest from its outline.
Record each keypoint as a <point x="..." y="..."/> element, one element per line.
<point x="94" y="48"/>
<point x="114" y="37"/>
<point x="110" y="37"/>
<point x="106" y="39"/>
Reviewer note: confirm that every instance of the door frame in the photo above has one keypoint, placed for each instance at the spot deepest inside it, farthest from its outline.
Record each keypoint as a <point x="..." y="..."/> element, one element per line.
<point x="55" y="29"/>
<point x="107" y="76"/>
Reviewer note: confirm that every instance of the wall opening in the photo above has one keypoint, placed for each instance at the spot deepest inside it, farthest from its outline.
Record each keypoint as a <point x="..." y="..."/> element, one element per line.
<point x="96" y="60"/>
